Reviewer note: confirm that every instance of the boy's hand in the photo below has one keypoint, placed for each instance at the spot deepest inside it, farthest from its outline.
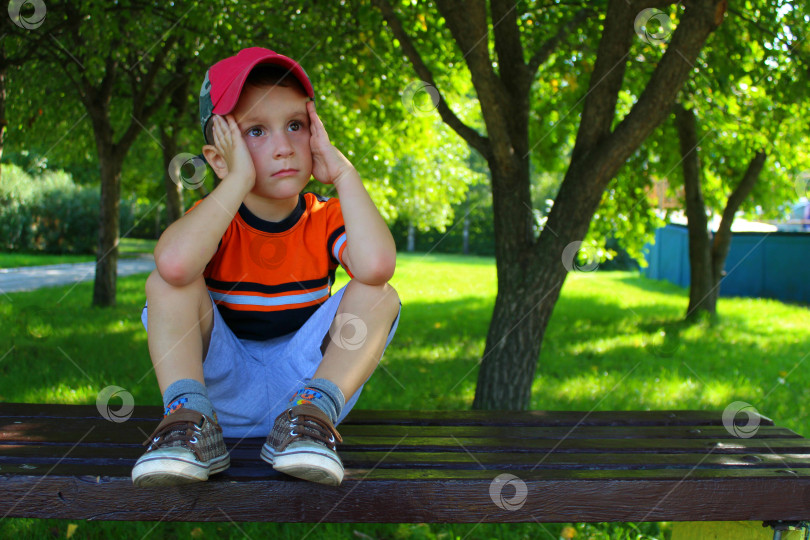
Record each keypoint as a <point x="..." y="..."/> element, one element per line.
<point x="228" y="142"/>
<point x="328" y="163"/>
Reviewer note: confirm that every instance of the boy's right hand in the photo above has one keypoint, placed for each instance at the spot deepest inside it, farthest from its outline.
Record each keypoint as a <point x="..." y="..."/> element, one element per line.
<point x="228" y="142"/>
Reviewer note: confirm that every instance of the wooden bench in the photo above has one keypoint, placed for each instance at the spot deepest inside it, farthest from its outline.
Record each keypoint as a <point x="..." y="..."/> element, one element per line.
<point x="67" y="461"/>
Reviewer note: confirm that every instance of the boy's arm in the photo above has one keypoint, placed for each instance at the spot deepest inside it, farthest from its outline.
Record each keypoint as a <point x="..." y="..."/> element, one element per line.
<point x="188" y="244"/>
<point x="370" y="251"/>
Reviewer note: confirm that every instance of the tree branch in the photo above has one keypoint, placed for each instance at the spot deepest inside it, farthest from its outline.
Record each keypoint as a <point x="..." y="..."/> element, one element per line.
<point x="511" y="66"/>
<point x="108" y="82"/>
<point x="606" y="78"/>
<point x="654" y="104"/>
<point x="722" y="238"/>
<point x="473" y="138"/>
<point x="146" y="112"/>
<point x="467" y="21"/>
<point x="139" y="99"/>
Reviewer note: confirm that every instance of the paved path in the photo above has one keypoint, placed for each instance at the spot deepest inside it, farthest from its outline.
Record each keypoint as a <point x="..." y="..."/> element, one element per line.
<point x="29" y="278"/>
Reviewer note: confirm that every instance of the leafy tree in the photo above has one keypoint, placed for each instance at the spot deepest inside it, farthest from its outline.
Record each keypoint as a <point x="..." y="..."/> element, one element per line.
<point x="749" y="116"/>
<point x="729" y="146"/>
<point x="119" y="89"/>
<point x="529" y="267"/>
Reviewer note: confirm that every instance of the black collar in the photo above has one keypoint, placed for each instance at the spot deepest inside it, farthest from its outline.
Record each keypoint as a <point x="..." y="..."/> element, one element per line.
<point x="274" y="226"/>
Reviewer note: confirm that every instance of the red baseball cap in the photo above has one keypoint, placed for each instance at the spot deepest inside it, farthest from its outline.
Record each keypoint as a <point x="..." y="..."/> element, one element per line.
<point x="224" y="80"/>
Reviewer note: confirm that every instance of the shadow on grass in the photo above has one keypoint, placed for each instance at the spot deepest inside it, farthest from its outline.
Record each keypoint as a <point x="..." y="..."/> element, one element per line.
<point x="66" y="352"/>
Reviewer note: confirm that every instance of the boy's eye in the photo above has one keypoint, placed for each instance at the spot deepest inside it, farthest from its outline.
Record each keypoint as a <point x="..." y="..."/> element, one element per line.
<point x="255" y="132"/>
<point x="295" y="125"/>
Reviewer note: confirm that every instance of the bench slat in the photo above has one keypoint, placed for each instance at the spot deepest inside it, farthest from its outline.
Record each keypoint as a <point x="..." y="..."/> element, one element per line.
<point x="121" y="455"/>
<point x="583" y="439"/>
<point x="542" y="446"/>
<point x="135" y="431"/>
<point x="433" y="418"/>
<point x="447" y="496"/>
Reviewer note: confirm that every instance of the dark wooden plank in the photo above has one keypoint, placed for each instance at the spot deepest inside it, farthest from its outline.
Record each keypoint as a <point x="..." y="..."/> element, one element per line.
<point x="434" y="418"/>
<point x="455" y="439"/>
<point x="726" y="445"/>
<point x="545" y="418"/>
<point x="260" y="470"/>
<point x="384" y="496"/>
<point x="37" y="455"/>
<point x="135" y="431"/>
<point x="464" y="444"/>
<point x="557" y="432"/>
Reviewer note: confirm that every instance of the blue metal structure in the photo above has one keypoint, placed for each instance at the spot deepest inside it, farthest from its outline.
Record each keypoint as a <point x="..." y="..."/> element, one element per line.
<point x="763" y="265"/>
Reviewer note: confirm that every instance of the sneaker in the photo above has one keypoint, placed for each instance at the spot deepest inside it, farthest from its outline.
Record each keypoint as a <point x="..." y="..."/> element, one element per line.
<point x="186" y="447"/>
<point x="302" y="444"/>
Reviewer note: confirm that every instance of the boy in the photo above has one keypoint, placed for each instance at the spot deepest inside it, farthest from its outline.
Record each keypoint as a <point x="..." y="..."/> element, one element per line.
<point x="240" y="317"/>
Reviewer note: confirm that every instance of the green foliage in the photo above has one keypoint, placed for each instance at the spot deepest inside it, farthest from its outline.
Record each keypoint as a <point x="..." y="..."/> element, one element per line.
<point x="476" y="210"/>
<point x="49" y="213"/>
<point x="748" y="90"/>
<point x="46" y="213"/>
<point x="143" y="218"/>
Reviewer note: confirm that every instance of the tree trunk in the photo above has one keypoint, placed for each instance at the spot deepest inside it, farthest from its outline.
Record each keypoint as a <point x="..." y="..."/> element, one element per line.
<point x="707" y="252"/>
<point x="108" y="231"/>
<point x="702" y="292"/>
<point x="178" y="105"/>
<point x="465" y="236"/>
<point x="519" y="320"/>
<point x="174" y="190"/>
<point x="722" y="238"/>
<point x="3" y="122"/>
<point x="521" y="310"/>
<point x="411" y="237"/>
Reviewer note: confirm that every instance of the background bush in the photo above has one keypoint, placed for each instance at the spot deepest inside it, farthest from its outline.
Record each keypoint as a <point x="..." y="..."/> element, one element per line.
<point x="49" y="213"/>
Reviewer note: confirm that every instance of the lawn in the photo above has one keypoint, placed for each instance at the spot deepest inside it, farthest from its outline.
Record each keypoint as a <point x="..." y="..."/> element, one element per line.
<point x="614" y="342"/>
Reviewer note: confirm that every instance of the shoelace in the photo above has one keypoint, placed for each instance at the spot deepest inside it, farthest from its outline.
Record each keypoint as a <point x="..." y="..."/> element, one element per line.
<point x="182" y="431"/>
<point x="304" y="426"/>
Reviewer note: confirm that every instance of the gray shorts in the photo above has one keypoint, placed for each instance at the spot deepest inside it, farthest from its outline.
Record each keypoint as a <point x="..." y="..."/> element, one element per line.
<point x="251" y="382"/>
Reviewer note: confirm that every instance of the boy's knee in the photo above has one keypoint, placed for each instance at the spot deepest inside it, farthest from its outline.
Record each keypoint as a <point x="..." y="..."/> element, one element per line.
<point x="381" y="300"/>
<point x="154" y="284"/>
<point x="390" y="299"/>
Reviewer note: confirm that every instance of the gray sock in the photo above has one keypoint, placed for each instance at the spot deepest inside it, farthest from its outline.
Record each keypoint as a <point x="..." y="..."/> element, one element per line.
<point x="189" y="394"/>
<point x="329" y="398"/>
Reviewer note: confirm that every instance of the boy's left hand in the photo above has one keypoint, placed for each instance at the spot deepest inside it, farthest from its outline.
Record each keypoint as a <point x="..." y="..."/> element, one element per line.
<point x="328" y="163"/>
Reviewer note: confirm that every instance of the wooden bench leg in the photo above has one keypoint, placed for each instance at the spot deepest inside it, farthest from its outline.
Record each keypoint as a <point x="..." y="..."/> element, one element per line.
<point x="723" y="530"/>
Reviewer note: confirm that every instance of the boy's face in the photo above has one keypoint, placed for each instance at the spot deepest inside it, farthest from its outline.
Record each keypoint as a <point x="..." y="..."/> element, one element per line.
<point x="274" y="124"/>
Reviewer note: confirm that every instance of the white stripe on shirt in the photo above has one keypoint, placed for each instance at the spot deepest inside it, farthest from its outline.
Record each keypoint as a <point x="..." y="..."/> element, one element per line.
<point x="291" y="299"/>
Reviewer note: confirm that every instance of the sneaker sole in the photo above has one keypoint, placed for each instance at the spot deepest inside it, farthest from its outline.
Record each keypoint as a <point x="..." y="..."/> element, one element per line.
<point x="173" y="471"/>
<point x="307" y="463"/>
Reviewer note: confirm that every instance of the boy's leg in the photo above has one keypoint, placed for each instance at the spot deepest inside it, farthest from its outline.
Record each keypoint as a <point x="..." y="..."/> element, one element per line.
<point x="302" y="442"/>
<point x="180" y="324"/>
<point x="358" y="334"/>
<point x="187" y="446"/>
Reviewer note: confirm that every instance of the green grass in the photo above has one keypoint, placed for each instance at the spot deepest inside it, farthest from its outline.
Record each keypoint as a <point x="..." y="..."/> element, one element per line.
<point x="614" y="342"/>
<point x="128" y="247"/>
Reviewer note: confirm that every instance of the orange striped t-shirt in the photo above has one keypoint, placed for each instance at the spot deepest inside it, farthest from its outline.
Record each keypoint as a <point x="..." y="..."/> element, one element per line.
<point x="267" y="278"/>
